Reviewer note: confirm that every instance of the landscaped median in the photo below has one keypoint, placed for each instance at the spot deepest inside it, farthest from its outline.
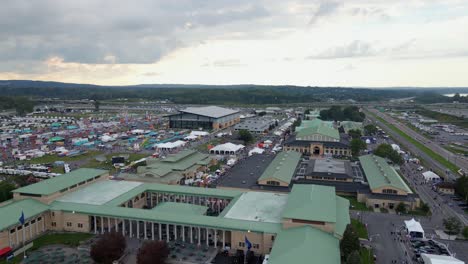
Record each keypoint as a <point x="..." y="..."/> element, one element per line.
<point x="419" y="145"/>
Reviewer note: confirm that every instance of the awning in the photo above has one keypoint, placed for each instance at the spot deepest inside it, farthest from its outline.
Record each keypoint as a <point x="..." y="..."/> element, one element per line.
<point x="4" y="251"/>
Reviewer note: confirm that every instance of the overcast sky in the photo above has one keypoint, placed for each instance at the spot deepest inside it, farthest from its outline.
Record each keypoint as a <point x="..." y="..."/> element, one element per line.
<point x="316" y="42"/>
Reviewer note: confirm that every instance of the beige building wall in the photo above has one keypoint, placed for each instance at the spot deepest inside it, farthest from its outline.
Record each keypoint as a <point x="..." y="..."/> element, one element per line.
<point x="261" y="242"/>
<point x="281" y="183"/>
<point x="380" y="190"/>
<point x="15" y="237"/>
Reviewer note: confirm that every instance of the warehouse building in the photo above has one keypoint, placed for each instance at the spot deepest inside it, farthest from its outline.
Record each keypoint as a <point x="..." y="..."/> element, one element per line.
<point x="386" y="187"/>
<point x="255" y="125"/>
<point x="326" y="170"/>
<point x="207" y="117"/>
<point x="281" y="170"/>
<point x="311" y="216"/>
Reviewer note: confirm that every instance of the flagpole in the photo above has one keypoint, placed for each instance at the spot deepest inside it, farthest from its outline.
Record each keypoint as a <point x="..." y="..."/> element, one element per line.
<point x="24" y="250"/>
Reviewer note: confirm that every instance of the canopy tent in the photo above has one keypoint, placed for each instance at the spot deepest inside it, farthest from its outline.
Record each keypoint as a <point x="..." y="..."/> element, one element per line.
<point x="226" y="149"/>
<point x="430" y="176"/>
<point x="199" y="133"/>
<point x="437" y="259"/>
<point x="170" y="145"/>
<point x="414" y="228"/>
<point x="256" y="150"/>
<point x="190" y="137"/>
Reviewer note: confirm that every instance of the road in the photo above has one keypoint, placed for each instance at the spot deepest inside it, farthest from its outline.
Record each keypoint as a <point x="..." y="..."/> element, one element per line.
<point x="411" y="147"/>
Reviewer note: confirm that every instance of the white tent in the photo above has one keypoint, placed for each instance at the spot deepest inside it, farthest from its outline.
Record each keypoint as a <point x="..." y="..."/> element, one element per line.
<point x="436" y="259"/>
<point x="170" y="145"/>
<point x="190" y="137"/>
<point x="256" y="150"/>
<point x="199" y="133"/>
<point x="414" y="228"/>
<point x="430" y="176"/>
<point x="226" y="149"/>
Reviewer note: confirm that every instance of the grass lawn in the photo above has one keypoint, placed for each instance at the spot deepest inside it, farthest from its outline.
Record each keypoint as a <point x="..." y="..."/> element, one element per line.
<point x="360" y="228"/>
<point x="420" y="146"/>
<point x="355" y="205"/>
<point x="53" y="158"/>
<point x="69" y="239"/>
<point x="366" y="256"/>
<point x="456" y="150"/>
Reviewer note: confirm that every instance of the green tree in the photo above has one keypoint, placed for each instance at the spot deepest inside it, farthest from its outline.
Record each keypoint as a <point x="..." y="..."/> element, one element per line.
<point x="5" y="191"/>
<point x="23" y="105"/>
<point x="401" y="208"/>
<point x="465" y="232"/>
<point x="370" y="130"/>
<point x="97" y="104"/>
<point x="356" y="146"/>
<point x="425" y="208"/>
<point x="461" y="187"/>
<point x="353" y="258"/>
<point x="452" y="225"/>
<point x="350" y="241"/>
<point x="386" y="151"/>
<point x="354" y="133"/>
<point x="246" y="136"/>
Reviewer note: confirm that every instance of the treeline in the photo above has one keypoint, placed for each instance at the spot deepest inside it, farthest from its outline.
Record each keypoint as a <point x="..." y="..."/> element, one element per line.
<point x="21" y="104"/>
<point x="443" y="118"/>
<point x="203" y="94"/>
<point x="431" y="98"/>
<point x="337" y="113"/>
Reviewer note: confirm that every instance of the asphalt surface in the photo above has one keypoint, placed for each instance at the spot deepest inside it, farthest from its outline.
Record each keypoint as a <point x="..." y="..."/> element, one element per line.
<point x="415" y="150"/>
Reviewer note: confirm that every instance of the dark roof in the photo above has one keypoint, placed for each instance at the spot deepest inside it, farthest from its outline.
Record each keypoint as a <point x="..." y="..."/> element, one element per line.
<point x="311" y="171"/>
<point x="291" y="141"/>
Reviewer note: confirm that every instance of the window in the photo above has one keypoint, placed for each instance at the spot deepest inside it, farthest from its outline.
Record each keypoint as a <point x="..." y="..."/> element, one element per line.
<point x="33" y="221"/>
<point x="256" y="246"/>
<point x="19" y="228"/>
<point x="54" y="224"/>
<point x="69" y="224"/>
<point x="389" y="191"/>
<point x="39" y="219"/>
<point x="272" y="238"/>
<point x="53" y="213"/>
<point x="64" y="190"/>
<point x="26" y="225"/>
<point x="73" y="186"/>
<point x="80" y="225"/>
<point x="275" y="183"/>
<point x="12" y="231"/>
<point x="241" y="244"/>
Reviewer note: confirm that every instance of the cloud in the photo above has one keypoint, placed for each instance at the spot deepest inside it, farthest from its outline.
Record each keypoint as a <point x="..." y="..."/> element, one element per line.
<point x="325" y="8"/>
<point x="356" y="48"/>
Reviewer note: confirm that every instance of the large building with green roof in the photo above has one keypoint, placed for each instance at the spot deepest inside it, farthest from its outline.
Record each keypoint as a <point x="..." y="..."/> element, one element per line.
<point x="217" y="218"/>
<point x="281" y="169"/>
<point x="316" y="137"/>
<point x="386" y="186"/>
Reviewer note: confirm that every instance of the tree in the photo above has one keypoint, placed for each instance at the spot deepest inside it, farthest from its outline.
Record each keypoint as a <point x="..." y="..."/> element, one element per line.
<point x="386" y="151"/>
<point x="108" y="248"/>
<point x="153" y="252"/>
<point x="246" y="136"/>
<point x="350" y="241"/>
<point x="461" y="187"/>
<point x="5" y="191"/>
<point x="97" y="104"/>
<point x="354" y="133"/>
<point x="465" y="232"/>
<point x="401" y="208"/>
<point x="23" y="105"/>
<point x="452" y="225"/>
<point x="425" y="208"/>
<point x="353" y="258"/>
<point x="370" y="130"/>
<point x="357" y="145"/>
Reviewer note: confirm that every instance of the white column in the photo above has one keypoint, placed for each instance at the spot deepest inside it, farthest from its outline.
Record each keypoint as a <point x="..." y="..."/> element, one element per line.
<point x="152" y="230"/>
<point x="199" y="234"/>
<point x="17" y="240"/>
<point x="167" y="233"/>
<point x="191" y="234"/>
<point x="224" y="239"/>
<point x="108" y="224"/>
<point x="183" y="233"/>
<point x="116" y="222"/>
<point x="215" y="238"/>
<point x="138" y="229"/>
<point x="207" y="236"/>
<point x="130" y="223"/>
<point x="95" y="225"/>
<point x="123" y="227"/>
<point x="9" y="237"/>
<point x="43" y="223"/>
<point x="160" y="233"/>
<point x="175" y="232"/>
<point x="146" y="237"/>
<point x="30" y="230"/>
<point x="102" y="225"/>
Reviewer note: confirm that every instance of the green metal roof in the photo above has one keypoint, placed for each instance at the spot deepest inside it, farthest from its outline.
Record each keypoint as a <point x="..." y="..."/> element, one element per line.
<point x="58" y="183"/>
<point x="182" y="161"/>
<point x="380" y="174"/>
<point x="11" y="212"/>
<point x="305" y="245"/>
<point x="180" y="208"/>
<point x="282" y="168"/>
<point x="180" y="155"/>
<point x="342" y="215"/>
<point x="349" y="125"/>
<point x="311" y="202"/>
<point x="170" y="218"/>
<point x="317" y="126"/>
<point x="175" y="189"/>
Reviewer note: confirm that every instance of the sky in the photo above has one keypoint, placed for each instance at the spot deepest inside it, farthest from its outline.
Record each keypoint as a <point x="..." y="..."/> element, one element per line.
<point x="355" y="43"/>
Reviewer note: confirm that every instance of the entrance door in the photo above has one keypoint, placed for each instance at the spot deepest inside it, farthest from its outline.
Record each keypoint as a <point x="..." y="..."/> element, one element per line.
<point x="316" y="151"/>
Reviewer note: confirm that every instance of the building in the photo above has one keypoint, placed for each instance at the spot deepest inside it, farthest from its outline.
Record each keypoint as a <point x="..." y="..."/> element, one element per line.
<point x="172" y="169"/>
<point x="309" y="221"/>
<point x="446" y="188"/>
<point x="207" y="117"/>
<point x="326" y="170"/>
<point x="281" y="170"/>
<point x="318" y="138"/>
<point x="386" y="187"/>
<point x="258" y="125"/>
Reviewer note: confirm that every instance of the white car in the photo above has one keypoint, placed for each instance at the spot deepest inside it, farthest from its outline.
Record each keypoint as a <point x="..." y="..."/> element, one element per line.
<point x="420" y="168"/>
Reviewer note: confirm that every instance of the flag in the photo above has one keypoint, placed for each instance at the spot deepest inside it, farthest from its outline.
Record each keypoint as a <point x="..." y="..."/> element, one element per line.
<point x="247" y="242"/>
<point x="21" y="219"/>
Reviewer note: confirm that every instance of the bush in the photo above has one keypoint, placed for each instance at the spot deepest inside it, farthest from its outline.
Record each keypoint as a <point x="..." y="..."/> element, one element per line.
<point x="153" y="252"/>
<point x="108" y="248"/>
<point x="350" y="241"/>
